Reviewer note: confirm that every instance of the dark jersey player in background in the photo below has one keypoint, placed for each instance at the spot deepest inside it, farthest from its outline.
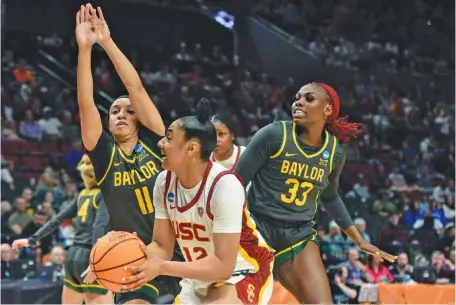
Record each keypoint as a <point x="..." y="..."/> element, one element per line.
<point x="91" y="224"/>
<point x="127" y="162"/>
<point x="293" y="167"/>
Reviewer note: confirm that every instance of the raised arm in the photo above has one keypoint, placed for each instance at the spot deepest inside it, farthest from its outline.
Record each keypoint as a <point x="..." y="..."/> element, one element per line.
<point x="265" y="143"/>
<point x="140" y="100"/>
<point x="91" y="127"/>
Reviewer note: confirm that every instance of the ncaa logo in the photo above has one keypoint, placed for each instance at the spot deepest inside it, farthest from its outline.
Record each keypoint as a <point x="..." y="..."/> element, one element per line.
<point x="200" y="212"/>
<point x="326" y="155"/>
<point x="171" y="197"/>
<point x="139" y="148"/>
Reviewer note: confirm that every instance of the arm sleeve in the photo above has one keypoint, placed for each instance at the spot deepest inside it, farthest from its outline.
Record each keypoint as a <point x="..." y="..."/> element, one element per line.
<point x="227" y="205"/>
<point x="101" y="223"/>
<point x="330" y="198"/>
<point x="264" y="144"/>
<point x="161" y="211"/>
<point x="101" y="155"/>
<point x="49" y="227"/>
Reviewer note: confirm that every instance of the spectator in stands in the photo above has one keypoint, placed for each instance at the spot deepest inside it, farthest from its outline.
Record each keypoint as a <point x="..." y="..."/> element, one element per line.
<point x="29" y="128"/>
<point x="380" y="180"/>
<point x="70" y="195"/>
<point x="402" y="268"/>
<point x="392" y="233"/>
<point x="426" y="235"/>
<point x="383" y="206"/>
<point x="6" y="254"/>
<point x="360" y="224"/>
<point x="413" y="214"/>
<point x="356" y="269"/>
<point x="443" y="271"/>
<point x="27" y="194"/>
<point x="22" y="74"/>
<point x="335" y="244"/>
<point x="6" y="177"/>
<point x="9" y="131"/>
<point x="50" y="124"/>
<point x="6" y="214"/>
<point x="53" y="270"/>
<point x="377" y="272"/>
<point x="362" y="189"/>
<point x="446" y="243"/>
<point x="20" y="218"/>
<point x="69" y="129"/>
<point x="342" y="291"/>
<point x="48" y="183"/>
<point x="397" y="180"/>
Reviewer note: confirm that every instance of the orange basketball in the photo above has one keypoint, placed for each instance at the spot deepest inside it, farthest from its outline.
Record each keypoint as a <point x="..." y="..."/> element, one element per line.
<point x="111" y="254"/>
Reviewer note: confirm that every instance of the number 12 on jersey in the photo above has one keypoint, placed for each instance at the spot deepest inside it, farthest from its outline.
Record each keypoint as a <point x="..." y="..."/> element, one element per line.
<point x="195" y="254"/>
<point x="144" y="201"/>
<point x="295" y="186"/>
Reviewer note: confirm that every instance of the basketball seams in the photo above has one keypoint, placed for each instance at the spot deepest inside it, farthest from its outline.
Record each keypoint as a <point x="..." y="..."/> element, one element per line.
<point x="110" y="276"/>
<point x="112" y="247"/>
<point x="118" y="266"/>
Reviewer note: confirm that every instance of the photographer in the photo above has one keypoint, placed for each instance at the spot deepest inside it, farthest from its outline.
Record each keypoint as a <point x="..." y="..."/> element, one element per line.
<point x="342" y="292"/>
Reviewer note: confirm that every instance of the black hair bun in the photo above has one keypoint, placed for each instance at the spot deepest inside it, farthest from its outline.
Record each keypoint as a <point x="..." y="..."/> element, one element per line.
<point x="203" y="110"/>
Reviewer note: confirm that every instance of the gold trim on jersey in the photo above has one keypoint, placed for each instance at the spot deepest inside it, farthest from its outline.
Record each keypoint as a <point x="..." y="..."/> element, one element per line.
<point x="333" y="152"/>
<point x="92" y="193"/>
<point x="111" y="159"/>
<point x="323" y="147"/>
<point x="284" y="141"/>
<point x="313" y="216"/>
<point x="133" y="159"/>
<point x="125" y="157"/>
<point x="150" y="150"/>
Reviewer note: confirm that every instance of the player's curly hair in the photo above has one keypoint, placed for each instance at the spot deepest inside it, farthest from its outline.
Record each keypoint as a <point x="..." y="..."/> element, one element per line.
<point x="200" y="127"/>
<point x="85" y="167"/>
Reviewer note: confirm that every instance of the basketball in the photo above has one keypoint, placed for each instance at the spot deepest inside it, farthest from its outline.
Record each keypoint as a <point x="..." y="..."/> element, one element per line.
<point x="111" y="254"/>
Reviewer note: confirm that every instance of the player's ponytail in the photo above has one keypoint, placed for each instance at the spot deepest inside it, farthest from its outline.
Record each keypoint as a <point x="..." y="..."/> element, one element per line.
<point x="85" y="167"/>
<point x="339" y="126"/>
<point x="203" y="110"/>
<point x="200" y="127"/>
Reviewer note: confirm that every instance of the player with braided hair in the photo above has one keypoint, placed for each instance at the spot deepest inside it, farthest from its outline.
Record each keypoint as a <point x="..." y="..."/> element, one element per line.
<point x="293" y="167"/>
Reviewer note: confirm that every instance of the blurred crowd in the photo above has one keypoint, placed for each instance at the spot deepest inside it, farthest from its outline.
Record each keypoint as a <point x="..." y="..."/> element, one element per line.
<point x="398" y="182"/>
<point x="410" y="35"/>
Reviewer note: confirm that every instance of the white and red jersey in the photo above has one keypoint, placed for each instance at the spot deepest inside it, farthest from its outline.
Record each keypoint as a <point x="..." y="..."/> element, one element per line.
<point x="233" y="160"/>
<point x="215" y="205"/>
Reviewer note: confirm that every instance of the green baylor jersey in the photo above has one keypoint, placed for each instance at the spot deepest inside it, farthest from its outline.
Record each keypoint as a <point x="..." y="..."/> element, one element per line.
<point x="127" y="182"/>
<point x="288" y="186"/>
<point x="87" y="207"/>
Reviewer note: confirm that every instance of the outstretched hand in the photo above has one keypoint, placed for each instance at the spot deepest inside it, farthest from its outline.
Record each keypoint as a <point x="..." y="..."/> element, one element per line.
<point x="86" y="35"/>
<point x="374" y="251"/>
<point x="100" y="25"/>
<point x="20" y="243"/>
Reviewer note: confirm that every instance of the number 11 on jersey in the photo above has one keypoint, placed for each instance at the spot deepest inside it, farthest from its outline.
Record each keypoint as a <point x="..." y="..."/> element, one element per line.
<point x="144" y="201"/>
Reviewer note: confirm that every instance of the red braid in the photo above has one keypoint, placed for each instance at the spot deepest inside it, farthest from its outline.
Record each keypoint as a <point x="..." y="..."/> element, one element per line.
<point x="339" y="126"/>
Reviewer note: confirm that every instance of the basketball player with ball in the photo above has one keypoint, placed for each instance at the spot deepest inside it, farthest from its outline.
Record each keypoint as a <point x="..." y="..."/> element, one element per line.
<point x="126" y="162"/>
<point x="201" y="205"/>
